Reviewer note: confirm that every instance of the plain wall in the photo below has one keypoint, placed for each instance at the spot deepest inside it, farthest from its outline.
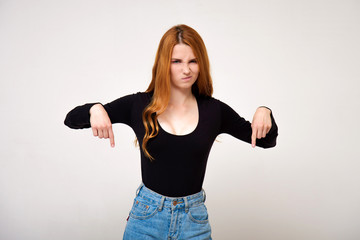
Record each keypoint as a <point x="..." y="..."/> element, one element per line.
<point x="300" y="58"/>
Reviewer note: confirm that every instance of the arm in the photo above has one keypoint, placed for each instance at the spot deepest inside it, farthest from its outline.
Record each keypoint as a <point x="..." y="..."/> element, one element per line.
<point x="79" y="117"/>
<point x="100" y="117"/>
<point x="91" y="115"/>
<point x="253" y="133"/>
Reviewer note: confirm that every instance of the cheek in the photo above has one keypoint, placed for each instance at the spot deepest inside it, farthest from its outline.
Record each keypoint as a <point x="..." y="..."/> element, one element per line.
<point x="195" y="67"/>
<point x="174" y="70"/>
<point x="196" y="70"/>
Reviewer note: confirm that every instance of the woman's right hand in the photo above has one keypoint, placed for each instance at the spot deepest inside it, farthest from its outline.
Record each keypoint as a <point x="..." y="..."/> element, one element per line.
<point x="101" y="123"/>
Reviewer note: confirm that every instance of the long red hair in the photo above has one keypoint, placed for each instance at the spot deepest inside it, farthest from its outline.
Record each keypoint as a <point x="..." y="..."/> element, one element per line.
<point x="160" y="83"/>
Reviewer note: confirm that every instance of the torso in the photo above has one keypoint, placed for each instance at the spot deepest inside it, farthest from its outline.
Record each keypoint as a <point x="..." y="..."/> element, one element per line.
<point x="180" y="160"/>
<point x="180" y="120"/>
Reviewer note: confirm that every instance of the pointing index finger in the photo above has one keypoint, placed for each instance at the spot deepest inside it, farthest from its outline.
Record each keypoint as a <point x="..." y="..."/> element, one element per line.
<point x="253" y="138"/>
<point x="112" y="138"/>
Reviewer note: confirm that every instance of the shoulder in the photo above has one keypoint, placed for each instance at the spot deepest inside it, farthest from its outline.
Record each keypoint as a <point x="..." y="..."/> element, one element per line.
<point x="144" y="95"/>
<point x="215" y="106"/>
<point x="209" y="104"/>
<point x="140" y="97"/>
<point x="210" y="101"/>
<point x="129" y="101"/>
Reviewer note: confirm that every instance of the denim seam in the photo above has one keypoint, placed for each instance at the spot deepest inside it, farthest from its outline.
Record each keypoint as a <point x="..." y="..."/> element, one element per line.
<point x="143" y="217"/>
<point x="197" y="221"/>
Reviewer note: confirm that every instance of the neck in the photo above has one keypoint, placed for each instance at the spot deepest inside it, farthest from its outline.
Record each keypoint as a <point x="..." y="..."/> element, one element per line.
<point x="180" y="97"/>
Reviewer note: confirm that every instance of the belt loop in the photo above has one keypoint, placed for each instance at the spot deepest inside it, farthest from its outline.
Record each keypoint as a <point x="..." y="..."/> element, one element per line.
<point x="161" y="203"/>
<point x="186" y="204"/>
<point x="204" y="195"/>
<point x="138" y="189"/>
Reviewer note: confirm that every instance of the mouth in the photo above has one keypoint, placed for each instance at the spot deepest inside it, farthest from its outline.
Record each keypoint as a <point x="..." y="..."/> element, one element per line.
<point x="187" y="78"/>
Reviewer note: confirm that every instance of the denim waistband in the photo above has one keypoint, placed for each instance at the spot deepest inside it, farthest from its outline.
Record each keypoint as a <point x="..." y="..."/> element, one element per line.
<point x="170" y="202"/>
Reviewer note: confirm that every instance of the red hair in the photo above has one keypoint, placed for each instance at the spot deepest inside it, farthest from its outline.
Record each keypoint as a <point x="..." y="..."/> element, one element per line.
<point x="160" y="83"/>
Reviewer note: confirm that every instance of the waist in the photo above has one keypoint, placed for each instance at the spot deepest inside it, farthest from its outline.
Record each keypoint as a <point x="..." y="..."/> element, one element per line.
<point x="170" y="202"/>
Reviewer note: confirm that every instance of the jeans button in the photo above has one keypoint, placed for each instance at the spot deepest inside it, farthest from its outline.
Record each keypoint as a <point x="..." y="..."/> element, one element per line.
<point x="174" y="203"/>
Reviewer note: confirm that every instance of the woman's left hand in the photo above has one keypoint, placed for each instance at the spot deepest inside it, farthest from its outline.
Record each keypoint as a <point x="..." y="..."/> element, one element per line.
<point x="261" y="124"/>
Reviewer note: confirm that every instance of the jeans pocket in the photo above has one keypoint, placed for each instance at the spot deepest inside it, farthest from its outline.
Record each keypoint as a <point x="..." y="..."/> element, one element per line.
<point x="199" y="214"/>
<point x="143" y="210"/>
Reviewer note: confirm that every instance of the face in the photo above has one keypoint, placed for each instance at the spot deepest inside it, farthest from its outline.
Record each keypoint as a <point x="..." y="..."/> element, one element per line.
<point x="184" y="69"/>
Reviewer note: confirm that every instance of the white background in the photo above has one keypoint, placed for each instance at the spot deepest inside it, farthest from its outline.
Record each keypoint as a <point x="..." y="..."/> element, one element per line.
<point x="300" y="58"/>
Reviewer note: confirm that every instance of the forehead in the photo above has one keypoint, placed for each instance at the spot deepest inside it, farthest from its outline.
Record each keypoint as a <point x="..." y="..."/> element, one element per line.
<point x="182" y="51"/>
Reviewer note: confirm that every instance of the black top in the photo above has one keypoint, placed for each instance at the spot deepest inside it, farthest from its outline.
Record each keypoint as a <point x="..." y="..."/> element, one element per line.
<point x="180" y="160"/>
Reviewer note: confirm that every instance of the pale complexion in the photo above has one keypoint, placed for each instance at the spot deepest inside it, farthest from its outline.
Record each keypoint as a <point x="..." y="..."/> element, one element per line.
<point x="181" y="115"/>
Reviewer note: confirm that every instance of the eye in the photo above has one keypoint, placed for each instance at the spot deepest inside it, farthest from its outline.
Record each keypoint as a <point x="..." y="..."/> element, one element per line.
<point x="193" y="61"/>
<point x="175" y="61"/>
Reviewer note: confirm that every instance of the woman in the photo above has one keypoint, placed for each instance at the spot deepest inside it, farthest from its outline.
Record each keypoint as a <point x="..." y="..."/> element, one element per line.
<point x="176" y="122"/>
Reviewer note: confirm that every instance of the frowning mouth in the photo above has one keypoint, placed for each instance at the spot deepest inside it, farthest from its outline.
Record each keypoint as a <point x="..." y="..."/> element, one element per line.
<point x="186" y="78"/>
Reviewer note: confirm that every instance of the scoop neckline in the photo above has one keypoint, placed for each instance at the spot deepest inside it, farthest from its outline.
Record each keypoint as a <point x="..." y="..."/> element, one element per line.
<point x="184" y="135"/>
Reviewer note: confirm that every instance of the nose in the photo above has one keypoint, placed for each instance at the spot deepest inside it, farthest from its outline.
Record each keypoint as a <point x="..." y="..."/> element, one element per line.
<point x="186" y="68"/>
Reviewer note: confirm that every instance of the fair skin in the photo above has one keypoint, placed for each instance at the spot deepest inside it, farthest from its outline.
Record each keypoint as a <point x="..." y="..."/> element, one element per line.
<point x="181" y="115"/>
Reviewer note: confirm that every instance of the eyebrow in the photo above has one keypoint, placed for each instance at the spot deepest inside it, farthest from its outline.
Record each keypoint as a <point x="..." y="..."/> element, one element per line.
<point x="172" y="59"/>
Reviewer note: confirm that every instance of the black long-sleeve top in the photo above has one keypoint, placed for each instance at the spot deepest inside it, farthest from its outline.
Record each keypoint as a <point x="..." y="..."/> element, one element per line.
<point x="180" y="160"/>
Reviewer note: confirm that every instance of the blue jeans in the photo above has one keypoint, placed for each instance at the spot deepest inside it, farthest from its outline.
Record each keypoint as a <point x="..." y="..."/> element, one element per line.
<point x="154" y="216"/>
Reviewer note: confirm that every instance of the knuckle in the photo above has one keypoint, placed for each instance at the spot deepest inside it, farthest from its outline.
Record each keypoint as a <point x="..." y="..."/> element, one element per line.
<point x="99" y="127"/>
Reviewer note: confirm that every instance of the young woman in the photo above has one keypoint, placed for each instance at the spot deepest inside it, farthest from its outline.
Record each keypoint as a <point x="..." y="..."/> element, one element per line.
<point x="176" y="122"/>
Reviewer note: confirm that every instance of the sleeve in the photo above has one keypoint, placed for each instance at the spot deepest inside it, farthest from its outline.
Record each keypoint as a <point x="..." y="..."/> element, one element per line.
<point x="119" y="111"/>
<point x="240" y="128"/>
